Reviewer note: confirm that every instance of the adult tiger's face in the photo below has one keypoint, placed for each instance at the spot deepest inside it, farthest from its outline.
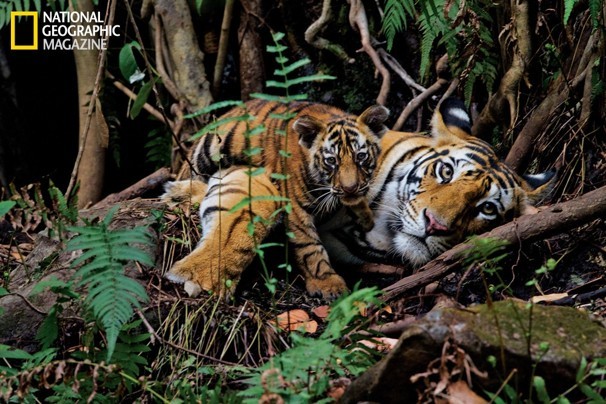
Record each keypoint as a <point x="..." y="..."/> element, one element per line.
<point x="343" y="154"/>
<point x="438" y="189"/>
<point x="449" y="191"/>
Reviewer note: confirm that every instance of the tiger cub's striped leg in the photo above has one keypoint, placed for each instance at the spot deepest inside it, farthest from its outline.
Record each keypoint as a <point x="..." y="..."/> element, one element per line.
<point x="363" y="214"/>
<point x="226" y="248"/>
<point x="312" y="258"/>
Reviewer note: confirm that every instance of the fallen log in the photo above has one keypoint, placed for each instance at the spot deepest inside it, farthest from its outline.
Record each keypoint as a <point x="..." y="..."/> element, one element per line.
<point x="552" y="220"/>
<point x="149" y="183"/>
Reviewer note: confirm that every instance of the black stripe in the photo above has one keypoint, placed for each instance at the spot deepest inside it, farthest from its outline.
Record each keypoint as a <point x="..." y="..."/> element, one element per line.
<point x="212" y="209"/>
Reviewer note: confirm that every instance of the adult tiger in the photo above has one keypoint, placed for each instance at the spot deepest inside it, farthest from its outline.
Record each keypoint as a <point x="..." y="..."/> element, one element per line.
<point x="328" y="155"/>
<point x="431" y="191"/>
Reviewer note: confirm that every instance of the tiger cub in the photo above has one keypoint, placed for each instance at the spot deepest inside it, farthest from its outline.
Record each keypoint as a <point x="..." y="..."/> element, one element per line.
<point x="431" y="191"/>
<point x="331" y="156"/>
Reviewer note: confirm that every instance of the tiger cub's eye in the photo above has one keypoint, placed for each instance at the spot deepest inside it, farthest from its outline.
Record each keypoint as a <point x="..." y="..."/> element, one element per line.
<point x="445" y="172"/>
<point x="361" y="156"/>
<point x="330" y="160"/>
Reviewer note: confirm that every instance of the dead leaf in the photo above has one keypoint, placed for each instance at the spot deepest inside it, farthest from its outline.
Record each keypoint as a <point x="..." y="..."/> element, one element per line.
<point x="296" y="319"/>
<point x="338" y="387"/>
<point x="321" y="312"/>
<point x="460" y="393"/>
<point x="381" y="344"/>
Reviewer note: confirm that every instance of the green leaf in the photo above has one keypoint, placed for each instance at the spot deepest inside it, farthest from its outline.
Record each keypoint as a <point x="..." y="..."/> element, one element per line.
<point x="292" y="67"/>
<point x="591" y="394"/>
<point x="215" y="106"/>
<point x="539" y="386"/>
<point x="141" y="99"/>
<point x="213" y="126"/>
<point x="49" y="329"/>
<point x="6" y="206"/>
<point x="8" y="352"/>
<point x="127" y="62"/>
<point x="257" y="171"/>
<point x="3" y="292"/>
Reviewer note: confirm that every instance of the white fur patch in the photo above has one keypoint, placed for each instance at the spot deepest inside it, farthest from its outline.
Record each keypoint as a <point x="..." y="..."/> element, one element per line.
<point x="459" y="113"/>
<point x="192" y="289"/>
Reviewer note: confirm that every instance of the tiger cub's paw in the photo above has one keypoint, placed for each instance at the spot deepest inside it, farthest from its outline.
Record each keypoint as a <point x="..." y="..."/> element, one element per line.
<point x="197" y="276"/>
<point x="366" y="221"/>
<point x="329" y="287"/>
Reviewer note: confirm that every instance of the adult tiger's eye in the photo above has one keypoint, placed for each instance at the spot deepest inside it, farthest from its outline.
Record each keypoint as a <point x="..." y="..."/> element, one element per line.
<point x="361" y="156"/>
<point x="488" y="208"/>
<point x="445" y="172"/>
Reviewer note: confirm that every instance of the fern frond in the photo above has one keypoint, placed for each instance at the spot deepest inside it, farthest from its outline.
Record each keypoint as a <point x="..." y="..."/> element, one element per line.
<point x="112" y="295"/>
<point x="568" y="6"/>
<point x="394" y="19"/>
<point x="595" y="8"/>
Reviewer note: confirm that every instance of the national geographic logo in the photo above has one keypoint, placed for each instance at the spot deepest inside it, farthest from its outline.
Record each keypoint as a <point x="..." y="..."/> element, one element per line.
<point x="24" y="35"/>
<point x="61" y="30"/>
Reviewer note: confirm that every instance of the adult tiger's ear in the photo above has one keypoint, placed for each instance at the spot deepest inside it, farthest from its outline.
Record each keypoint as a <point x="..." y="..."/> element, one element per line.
<point x="374" y="117"/>
<point x="539" y="186"/>
<point x="308" y="128"/>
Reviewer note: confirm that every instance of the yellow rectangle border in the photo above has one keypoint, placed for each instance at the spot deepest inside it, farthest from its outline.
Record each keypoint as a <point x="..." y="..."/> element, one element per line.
<point x="15" y="14"/>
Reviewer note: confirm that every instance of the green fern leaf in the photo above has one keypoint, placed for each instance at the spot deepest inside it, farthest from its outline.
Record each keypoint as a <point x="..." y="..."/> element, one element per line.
<point x="568" y="6"/>
<point x="595" y="7"/>
<point x="112" y="295"/>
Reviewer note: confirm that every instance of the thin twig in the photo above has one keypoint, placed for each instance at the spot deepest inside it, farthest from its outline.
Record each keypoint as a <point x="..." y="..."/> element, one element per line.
<point x="30" y="304"/>
<point x="223" y="43"/>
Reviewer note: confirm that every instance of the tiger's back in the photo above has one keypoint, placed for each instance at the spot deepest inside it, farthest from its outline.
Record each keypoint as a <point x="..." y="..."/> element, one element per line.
<point x="316" y="145"/>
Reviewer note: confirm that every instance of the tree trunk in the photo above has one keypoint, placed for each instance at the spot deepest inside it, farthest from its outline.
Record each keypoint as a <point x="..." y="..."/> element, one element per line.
<point x="184" y="52"/>
<point x="251" y="49"/>
<point x="93" y="130"/>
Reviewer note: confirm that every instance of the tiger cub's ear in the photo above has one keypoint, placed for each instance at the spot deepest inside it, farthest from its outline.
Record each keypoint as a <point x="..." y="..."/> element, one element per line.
<point x="374" y="117"/>
<point x="308" y="128"/>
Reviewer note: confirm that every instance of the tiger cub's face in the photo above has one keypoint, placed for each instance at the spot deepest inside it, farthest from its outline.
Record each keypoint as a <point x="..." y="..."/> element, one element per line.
<point x="343" y="154"/>
<point x="441" y="188"/>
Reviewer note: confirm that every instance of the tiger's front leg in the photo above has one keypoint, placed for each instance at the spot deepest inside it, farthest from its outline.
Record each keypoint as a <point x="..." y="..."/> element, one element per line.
<point x="226" y="247"/>
<point x="312" y="258"/>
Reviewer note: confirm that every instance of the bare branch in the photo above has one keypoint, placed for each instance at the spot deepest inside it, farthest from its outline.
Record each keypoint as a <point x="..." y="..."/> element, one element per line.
<point x="313" y="38"/>
<point x="493" y="111"/>
<point x="149" y="183"/>
<point x="417" y="102"/>
<point x="359" y="21"/>
<point x="399" y="70"/>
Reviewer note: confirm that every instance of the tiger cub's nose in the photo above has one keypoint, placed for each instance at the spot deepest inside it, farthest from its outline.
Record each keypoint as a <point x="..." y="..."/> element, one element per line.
<point x="350" y="189"/>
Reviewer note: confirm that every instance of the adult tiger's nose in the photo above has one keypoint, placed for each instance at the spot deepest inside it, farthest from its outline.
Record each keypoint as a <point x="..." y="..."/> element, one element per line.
<point x="432" y="225"/>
